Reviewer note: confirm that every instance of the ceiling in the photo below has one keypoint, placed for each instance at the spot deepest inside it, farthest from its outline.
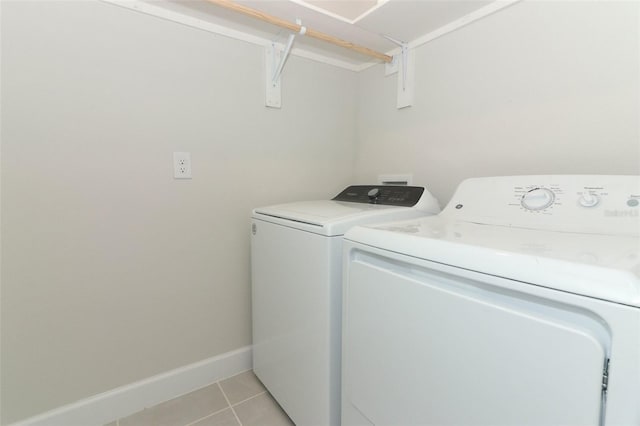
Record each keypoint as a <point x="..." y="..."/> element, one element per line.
<point x="348" y="9"/>
<point x="363" y="22"/>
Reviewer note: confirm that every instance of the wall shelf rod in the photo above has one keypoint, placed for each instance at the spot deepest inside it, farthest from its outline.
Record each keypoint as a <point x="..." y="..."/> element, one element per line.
<point x="231" y="5"/>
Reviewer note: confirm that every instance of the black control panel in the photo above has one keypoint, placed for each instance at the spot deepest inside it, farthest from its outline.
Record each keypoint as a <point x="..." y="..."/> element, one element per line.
<point x="391" y="195"/>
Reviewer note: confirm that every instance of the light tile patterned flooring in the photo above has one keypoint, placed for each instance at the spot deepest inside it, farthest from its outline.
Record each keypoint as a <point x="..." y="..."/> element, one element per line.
<point x="237" y="401"/>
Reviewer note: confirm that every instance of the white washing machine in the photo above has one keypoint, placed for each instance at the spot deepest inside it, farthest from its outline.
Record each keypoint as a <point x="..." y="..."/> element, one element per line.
<point x="296" y="266"/>
<point x="519" y="304"/>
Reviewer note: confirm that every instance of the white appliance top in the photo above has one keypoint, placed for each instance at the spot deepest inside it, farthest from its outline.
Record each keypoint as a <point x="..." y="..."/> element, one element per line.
<point x="579" y="234"/>
<point x="334" y="217"/>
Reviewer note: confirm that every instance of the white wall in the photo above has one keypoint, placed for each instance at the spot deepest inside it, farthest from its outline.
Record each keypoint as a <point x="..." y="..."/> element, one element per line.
<point x="540" y="87"/>
<point x="112" y="271"/>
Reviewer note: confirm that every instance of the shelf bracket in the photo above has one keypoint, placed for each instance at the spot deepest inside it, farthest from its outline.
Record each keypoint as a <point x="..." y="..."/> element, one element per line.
<point x="273" y="96"/>
<point x="406" y="76"/>
<point x="274" y="55"/>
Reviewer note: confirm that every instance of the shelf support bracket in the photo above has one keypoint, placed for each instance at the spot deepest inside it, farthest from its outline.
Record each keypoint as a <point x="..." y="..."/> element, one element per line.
<point x="273" y="56"/>
<point x="273" y="96"/>
<point x="406" y="77"/>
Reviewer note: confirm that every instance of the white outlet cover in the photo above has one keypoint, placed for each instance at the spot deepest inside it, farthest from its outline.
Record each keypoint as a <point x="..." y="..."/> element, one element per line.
<point x="182" y="165"/>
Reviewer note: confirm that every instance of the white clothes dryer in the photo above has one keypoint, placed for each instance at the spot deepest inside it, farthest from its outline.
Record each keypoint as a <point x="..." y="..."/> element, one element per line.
<point x="519" y="304"/>
<point x="296" y="266"/>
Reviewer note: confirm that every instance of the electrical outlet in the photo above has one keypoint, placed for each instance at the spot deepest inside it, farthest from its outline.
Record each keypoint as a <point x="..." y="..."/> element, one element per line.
<point x="182" y="165"/>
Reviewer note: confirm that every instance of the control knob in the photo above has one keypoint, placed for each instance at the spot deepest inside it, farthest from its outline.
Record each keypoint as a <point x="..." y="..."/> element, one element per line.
<point x="587" y="199"/>
<point x="538" y="199"/>
<point x="373" y="193"/>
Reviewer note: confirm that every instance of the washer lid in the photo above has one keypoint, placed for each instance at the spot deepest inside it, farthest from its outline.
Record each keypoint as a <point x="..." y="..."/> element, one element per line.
<point x="602" y="266"/>
<point x="329" y="217"/>
<point x="355" y="205"/>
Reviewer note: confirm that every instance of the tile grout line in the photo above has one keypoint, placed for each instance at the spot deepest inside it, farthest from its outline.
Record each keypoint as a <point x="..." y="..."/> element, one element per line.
<point x="248" y="399"/>
<point x="208" y="415"/>
<point x="229" y="402"/>
<point x="229" y="406"/>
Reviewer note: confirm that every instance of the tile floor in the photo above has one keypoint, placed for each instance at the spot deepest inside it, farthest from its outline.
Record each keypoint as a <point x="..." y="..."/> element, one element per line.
<point x="237" y="401"/>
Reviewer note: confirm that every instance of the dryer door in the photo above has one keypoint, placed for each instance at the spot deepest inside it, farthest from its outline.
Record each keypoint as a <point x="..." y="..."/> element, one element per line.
<point x="428" y="347"/>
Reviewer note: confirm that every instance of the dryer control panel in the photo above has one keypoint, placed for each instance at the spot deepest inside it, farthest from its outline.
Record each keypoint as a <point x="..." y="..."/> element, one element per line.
<point x="572" y="203"/>
<point x="391" y="195"/>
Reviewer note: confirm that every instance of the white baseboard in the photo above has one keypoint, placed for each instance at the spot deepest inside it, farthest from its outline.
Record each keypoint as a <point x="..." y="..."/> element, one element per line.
<point x="125" y="400"/>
